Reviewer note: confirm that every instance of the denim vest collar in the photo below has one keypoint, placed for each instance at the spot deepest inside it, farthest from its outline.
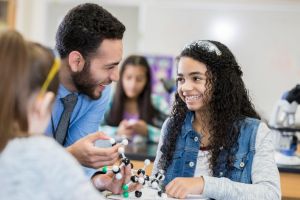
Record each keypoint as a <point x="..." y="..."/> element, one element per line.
<point x="188" y="124"/>
<point x="187" y="147"/>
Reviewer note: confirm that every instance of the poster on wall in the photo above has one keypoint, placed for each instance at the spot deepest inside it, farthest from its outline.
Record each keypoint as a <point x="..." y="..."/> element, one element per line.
<point x="162" y="75"/>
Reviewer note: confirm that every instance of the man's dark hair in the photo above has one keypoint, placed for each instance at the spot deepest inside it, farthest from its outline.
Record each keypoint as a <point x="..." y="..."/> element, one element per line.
<point x="84" y="28"/>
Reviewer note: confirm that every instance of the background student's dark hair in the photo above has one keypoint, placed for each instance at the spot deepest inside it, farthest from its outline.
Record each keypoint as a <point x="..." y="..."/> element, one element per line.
<point x="229" y="103"/>
<point x="147" y="111"/>
<point x="24" y="68"/>
<point x="84" y="28"/>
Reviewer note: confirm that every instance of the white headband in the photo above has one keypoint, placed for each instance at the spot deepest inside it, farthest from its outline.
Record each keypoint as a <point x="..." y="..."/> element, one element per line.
<point x="205" y="45"/>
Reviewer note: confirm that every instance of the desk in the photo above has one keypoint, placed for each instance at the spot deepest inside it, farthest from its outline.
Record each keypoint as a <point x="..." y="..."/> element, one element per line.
<point x="137" y="153"/>
<point x="141" y="151"/>
<point x="289" y="176"/>
<point x="290" y="181"/>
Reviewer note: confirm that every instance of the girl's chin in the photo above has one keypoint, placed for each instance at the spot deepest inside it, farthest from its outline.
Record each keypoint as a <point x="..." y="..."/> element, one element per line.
<point x="194" y="106"/>
<point x="131" y="96"/>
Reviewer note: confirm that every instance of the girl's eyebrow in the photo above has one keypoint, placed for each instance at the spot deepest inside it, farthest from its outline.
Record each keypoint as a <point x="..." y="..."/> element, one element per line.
<point x="196" y="73"/>
<point x="191" y="73"/>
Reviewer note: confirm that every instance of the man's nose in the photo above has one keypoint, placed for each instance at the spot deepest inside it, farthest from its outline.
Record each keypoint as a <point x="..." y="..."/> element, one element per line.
<point x="115" y="75"/>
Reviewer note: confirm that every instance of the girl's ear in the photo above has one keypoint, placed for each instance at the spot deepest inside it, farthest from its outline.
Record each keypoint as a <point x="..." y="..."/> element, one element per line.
<point x="40" y="113"/>
<point x="76" y="61"/>
<point x="44" y="103"/>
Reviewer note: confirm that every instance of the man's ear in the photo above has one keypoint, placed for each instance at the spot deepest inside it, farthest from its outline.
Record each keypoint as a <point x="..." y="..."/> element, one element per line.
<point x="76" y="61"/>
<point x="43" y="104"/>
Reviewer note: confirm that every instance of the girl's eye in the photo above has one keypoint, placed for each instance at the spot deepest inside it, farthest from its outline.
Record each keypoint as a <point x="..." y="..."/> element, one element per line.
<point x="179" y="79"/>
<point x="198" y="78"/>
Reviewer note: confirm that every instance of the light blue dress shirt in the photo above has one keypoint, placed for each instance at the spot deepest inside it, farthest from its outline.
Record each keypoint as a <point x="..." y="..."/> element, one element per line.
<point x="85" y="118"/>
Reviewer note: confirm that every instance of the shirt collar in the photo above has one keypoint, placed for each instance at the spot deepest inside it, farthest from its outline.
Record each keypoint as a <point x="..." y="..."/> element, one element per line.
<point x="63" y="92"/>
<point x="188" y="123"/>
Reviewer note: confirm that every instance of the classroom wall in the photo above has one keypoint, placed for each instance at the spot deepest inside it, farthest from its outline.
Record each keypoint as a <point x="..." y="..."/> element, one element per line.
<point x="264" y="35"/>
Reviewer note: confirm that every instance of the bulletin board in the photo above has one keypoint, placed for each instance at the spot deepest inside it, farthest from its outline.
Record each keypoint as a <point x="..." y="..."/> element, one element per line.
<point x="161" y="68"/>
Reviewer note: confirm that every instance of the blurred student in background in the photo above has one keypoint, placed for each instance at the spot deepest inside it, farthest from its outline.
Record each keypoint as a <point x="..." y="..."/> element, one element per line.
<point x="135" y="113"/>
<point x="33" y="166"/>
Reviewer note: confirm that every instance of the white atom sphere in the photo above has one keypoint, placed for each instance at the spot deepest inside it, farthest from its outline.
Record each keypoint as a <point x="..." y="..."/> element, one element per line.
<point x="125" y="142"/>
<point x="115" y="168"/>
<point x="118" y="176"/>
<point x="121" y="150"/>
<point x="141" y="180"/>
<point x="112" y="141"/>
<point x="147" y="162"/>
<point x="154" y="184"/>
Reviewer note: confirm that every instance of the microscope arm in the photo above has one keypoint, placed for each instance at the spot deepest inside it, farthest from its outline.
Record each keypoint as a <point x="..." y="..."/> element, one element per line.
<point x="283" y="115"/>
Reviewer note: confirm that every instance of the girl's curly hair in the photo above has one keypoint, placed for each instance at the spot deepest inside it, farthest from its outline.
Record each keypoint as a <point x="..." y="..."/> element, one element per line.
<point x="229" y="102"/>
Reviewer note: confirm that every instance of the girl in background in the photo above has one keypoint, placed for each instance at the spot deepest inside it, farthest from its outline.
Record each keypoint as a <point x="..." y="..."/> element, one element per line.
<point x="214" y="143"/>
<point x="135" y="113"/>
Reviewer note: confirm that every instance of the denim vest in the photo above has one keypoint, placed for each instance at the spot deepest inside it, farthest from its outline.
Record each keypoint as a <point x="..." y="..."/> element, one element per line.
<point x="187" y="148"/>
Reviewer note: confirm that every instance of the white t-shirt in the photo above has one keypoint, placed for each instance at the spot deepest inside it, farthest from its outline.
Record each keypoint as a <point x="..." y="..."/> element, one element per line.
<point x="38" y="168"/>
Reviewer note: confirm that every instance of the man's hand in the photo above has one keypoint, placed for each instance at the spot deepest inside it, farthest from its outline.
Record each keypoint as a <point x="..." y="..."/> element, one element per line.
<point x="180" y="187"/>
<point x="85" y="151"/>
<point x="110" y="183"/>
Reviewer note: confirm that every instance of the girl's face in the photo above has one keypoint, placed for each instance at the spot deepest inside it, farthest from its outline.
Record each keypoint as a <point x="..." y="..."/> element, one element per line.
<point x="134" y="80"/>
<point x="191" y="82"/>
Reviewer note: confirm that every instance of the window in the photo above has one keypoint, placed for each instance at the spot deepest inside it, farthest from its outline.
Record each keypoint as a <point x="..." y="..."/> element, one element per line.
<point x="7" y="13"/>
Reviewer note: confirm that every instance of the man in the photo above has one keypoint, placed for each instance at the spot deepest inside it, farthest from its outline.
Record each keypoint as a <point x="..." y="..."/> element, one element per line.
<point x="89" y="41"/>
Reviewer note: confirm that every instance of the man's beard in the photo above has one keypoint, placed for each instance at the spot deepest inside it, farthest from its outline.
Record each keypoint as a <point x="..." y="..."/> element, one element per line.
<point x="84" y="82"/>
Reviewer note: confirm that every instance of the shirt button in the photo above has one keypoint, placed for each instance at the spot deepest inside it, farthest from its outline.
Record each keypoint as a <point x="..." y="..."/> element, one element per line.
<point x="196" y="139"/>
<point x="242" y="164"/>
<point x="191" y="164"/>
<point x="221" y="174"/>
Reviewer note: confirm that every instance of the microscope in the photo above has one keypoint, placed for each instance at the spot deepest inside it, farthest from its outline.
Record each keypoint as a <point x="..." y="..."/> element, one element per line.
<point x="169" y="85"/>
<point x="283" y="123"/>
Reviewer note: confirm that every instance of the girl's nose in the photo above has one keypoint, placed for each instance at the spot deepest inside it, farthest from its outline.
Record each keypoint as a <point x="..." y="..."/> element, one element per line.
<point x="186" y="86"/>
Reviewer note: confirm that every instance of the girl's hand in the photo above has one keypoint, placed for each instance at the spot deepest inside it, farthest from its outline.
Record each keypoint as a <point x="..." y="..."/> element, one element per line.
<point x="140" y="127"/>
<point x="180" y="187"/>
<point x="125" y="129"/>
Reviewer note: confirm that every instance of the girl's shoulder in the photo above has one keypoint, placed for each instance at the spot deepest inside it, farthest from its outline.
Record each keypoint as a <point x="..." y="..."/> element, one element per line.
<point x="40" y="148"/>
<point x="254" y="130"/>
<point x="165" y="125"/>
<point x="249" y="123"/>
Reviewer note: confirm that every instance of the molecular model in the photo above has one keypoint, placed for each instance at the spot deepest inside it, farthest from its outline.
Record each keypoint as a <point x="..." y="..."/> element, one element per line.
<point x="156" y="182"/>
<point x="137" y="176"/>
